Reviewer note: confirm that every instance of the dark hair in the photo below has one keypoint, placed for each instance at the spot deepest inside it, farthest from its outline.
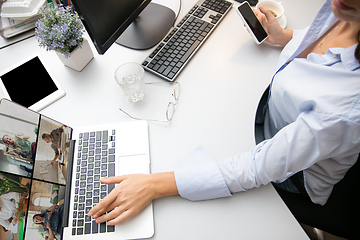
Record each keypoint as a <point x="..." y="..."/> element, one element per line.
<point x="41" y="215"/>
<point x="357" y="50"/>
<point x="45" y="135"/>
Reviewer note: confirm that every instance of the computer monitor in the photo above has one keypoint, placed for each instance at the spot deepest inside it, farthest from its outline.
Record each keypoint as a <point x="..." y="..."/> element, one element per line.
<point x="137" y="24"/>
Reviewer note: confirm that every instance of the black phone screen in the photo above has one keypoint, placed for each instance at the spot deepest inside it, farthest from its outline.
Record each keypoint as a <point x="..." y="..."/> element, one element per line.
<point x="254" y="24"/>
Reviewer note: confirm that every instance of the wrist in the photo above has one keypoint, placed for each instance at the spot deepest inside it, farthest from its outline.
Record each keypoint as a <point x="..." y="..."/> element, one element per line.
<point x="286" y="37"/>
<point x="163" y="184"/>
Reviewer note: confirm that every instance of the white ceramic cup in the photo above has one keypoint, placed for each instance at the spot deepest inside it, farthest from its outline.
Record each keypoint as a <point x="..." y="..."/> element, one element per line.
<point x="276" y="8"/>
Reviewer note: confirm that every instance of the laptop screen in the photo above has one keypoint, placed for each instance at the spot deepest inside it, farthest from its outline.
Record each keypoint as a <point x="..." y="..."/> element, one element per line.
<point x="34" y="154"/>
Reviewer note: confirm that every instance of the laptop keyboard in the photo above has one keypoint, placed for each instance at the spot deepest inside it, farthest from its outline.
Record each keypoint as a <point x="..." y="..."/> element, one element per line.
<point x="176" y="49"/>
<point x="95" y="160"/>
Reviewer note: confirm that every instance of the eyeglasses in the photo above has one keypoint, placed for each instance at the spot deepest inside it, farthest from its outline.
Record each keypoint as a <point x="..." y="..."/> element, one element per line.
<point x="170" y="107"/>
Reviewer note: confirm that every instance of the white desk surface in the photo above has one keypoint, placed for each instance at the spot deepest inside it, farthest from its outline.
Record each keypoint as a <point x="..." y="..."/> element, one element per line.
<point x="220" y="90"/>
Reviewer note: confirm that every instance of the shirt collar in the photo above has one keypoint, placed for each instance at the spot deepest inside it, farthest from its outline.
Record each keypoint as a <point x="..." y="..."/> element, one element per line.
<point x="348" y="57"/>
<point x="336" y="55"/>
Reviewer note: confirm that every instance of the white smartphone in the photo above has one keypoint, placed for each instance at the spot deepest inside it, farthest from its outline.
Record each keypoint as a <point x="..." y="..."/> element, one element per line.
<point x="251" y="22"/>
<point x="30" y="83"/>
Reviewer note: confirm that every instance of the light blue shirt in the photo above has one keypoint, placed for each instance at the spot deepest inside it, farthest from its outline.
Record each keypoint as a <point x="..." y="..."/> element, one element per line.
<point x="314" y="118"/>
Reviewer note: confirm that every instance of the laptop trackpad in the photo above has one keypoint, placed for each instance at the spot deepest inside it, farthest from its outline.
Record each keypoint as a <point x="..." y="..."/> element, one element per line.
<point x="133" y="164"/>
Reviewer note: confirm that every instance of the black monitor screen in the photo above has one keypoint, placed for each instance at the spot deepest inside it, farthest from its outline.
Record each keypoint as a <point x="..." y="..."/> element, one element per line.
<point x="106" y="20"/>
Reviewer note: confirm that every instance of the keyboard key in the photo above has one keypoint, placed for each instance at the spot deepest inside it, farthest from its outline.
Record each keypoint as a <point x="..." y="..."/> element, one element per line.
<point x="98" y="136"/>
<point x="111" y="158"/>
<point x="103" y="227"/>
<point x="94" y="227"/>
<point x="81" y="206"/>
<point x="96" y="192"/>
<point x="87" y="210"/>
<point x="105" y="136"/>
<point x="86" y="137"/>
<point x="80" y="222"/>
<point x="89" y="187"/>
<point x="89" y="180"/>
<point x="79" y="231"/>
<point x="87" y="228"/>
<point x="102" y="195"/>
<point x="87" y="219"/>
<point x="81" y="215"/>
<point x="110" y="228"/>
<point x="96" y="177"/>
<point x="111" y="170"/>
<point x="103" y="166"/>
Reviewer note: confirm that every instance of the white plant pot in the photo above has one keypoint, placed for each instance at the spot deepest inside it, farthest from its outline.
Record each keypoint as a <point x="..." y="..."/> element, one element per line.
<point x="79" y="57"/>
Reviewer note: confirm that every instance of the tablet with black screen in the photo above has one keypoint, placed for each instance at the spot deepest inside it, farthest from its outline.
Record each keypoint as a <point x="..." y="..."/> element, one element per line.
<point x="30" y="83"/>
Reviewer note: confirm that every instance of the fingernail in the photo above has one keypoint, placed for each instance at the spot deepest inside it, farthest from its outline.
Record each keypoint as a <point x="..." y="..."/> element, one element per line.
<point x="90" y="214"/>
<point x="98" y="221"/>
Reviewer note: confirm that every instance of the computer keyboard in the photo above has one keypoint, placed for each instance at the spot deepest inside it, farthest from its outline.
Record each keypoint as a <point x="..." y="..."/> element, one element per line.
<point x="173" y="53"/>
<point x="96" y="159"/>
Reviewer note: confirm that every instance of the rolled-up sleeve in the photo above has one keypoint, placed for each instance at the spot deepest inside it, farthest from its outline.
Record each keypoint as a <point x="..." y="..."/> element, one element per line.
<point x="198" y="177"/>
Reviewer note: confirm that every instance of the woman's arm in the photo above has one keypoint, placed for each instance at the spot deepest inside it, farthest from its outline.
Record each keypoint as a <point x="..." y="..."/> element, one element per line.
<point x="49" y="232"/>
<point x="132" y="194"/>
<point x="21" y="138"/>
<point x="51" y="210"/>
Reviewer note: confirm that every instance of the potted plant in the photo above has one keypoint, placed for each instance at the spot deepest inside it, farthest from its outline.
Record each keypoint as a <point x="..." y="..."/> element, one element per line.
<point x="62" y="31"/>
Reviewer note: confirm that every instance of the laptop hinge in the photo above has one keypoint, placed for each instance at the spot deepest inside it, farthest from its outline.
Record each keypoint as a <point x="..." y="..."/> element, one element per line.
<point x="68" y="185"/>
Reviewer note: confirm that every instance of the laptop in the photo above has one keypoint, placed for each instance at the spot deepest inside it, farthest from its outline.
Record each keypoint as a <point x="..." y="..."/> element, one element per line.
<point x="49" y="174"/>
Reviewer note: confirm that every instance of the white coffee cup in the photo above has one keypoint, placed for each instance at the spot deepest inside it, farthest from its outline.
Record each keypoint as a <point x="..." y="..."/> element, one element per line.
<point x="276" y="8"/>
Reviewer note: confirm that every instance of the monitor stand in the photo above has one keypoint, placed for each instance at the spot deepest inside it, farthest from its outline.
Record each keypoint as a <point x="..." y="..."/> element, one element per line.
<point x="149" y="28"/>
